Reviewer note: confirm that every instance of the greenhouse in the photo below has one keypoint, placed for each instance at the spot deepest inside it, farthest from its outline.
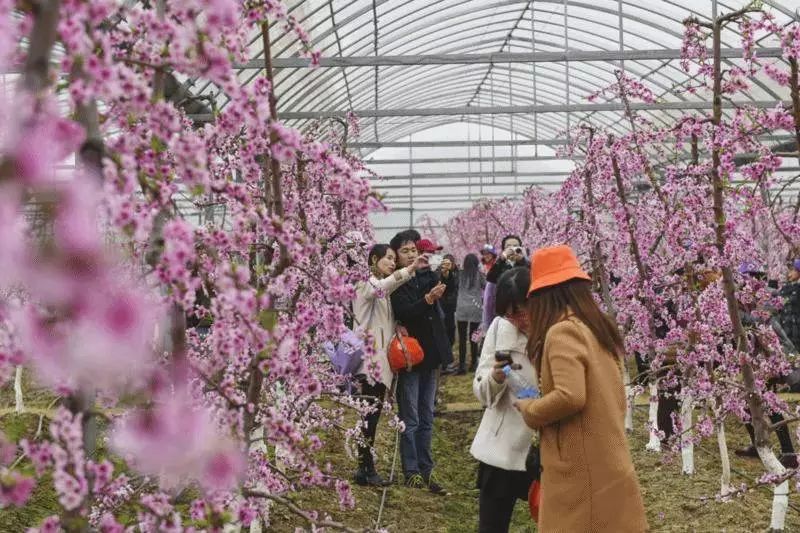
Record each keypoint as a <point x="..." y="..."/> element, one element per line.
<point x="399" y="266"/>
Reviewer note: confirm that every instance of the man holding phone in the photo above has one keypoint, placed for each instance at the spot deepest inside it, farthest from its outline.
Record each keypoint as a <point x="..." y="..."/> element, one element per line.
<point x="416" y="306"/>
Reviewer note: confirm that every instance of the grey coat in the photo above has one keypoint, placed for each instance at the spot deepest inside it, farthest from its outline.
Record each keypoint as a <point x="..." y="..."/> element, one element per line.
<point x="469" y="306"/>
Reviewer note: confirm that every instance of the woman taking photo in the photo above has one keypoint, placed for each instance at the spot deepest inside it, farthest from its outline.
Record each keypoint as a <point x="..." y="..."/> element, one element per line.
<point x="373" y="313"/>
<point x="503" y="440"/>
<point x="588" y="479"/>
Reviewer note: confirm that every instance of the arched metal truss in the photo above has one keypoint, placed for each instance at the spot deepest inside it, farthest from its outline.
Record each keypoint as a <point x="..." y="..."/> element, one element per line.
<point x="523" y="68"/>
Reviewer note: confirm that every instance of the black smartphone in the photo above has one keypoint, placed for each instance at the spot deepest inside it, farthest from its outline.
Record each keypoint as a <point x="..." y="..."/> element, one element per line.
<point x="503" y="357"/>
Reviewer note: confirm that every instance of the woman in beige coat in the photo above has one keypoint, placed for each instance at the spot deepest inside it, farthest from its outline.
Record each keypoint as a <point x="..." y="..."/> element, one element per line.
<point x="588" y="480"/>
<point x="372" y="312"/>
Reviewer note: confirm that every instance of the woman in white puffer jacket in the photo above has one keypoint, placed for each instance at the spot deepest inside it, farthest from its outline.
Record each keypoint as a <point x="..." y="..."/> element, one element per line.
<point x="503" y="439"/>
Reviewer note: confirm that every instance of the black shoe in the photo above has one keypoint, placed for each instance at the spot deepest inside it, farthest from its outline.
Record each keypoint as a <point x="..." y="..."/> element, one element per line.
<point x="450" y="369"/>
<point x="750" y="451"/>
<point x="434" y="486"/>
<point x="369" y="479"/>
<point x="788" y="460"/>
<point x="461" y="371"/>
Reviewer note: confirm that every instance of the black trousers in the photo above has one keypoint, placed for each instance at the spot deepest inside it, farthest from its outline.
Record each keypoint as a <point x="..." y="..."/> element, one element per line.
<point x="376" y="394"/>
<point x="668" y="403"/>
<point x="499" y="491"/>
<point x="464" y="329"/>
<point x="784" y="437"/>
<point x="450" y="326"/>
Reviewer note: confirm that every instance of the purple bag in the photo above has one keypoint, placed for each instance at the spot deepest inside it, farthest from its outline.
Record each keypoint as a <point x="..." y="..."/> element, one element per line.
<point x="347" y="355"/>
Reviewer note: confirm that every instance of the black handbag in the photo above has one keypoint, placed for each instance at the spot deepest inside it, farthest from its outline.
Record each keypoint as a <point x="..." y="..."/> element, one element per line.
<point x="533" y="463"/>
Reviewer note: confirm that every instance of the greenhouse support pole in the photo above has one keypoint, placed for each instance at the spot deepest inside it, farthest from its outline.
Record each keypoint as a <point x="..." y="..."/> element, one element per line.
<point x="566" y="67"/>
<point x="533" y="65"/>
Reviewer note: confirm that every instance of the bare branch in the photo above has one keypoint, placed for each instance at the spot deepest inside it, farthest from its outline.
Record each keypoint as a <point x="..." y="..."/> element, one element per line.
<point x="308" y="517"/>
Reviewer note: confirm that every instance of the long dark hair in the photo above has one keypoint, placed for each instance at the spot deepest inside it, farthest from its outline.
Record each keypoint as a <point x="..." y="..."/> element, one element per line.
<point x="550" y="305"/>
<point x="470" y="275"/>
<point x="512" y="291"/>
<point x="376" y="253"/>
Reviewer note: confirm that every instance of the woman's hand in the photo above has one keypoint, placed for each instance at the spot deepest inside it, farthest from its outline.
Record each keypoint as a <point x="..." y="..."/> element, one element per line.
<point x="522" y="405"/>
<point x="497" y="371"/>
<point x="446" y="266"/>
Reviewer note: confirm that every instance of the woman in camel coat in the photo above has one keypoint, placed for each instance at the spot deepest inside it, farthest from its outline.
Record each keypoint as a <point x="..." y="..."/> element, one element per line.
<point x="588" y="480"/>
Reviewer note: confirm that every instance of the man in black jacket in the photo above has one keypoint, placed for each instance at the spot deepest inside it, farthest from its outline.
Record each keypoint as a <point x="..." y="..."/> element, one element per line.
<point x="416" y="306"/>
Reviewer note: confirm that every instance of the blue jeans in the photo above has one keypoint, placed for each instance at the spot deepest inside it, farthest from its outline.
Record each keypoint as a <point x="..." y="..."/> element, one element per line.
<point x="415" y="396"/>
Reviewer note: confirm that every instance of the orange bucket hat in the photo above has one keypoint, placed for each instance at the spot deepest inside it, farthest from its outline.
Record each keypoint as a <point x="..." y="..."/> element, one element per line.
<point x="554" y="265"/>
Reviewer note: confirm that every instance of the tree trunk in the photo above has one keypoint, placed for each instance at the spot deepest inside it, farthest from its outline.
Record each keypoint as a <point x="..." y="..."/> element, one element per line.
<point x="654" y="445"/>
<point x="760" y="425"/>
<point x="687" y="445"/>
<point x="725" y="462"/>
<point x="18" y="400"/>
<point x="599" y="268"/>
<point x="641" y="276"/>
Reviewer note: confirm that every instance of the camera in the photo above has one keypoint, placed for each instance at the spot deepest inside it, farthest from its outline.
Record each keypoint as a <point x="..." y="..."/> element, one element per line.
<point x="518" y="250"/>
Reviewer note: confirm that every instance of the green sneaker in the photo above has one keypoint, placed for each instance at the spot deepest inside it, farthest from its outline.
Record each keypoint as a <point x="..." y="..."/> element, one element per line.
<point x="416" y="481"/>
<point x="434" y="486"/>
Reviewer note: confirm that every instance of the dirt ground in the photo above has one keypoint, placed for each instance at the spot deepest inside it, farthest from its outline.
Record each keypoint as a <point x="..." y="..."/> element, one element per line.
<point x="674" y="502"/>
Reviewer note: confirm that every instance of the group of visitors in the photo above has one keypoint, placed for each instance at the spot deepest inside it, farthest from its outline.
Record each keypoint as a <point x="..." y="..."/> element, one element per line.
<point x="542" y="328"/>
<point x="403" y="291"/>
<point x="534" y="323"/>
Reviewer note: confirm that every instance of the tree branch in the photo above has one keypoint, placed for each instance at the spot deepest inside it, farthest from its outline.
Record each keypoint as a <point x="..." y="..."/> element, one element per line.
<point x="308" y="517"/>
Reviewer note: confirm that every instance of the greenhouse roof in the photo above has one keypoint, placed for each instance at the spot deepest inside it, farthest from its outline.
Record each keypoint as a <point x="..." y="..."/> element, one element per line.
<point x="498" y="82"/>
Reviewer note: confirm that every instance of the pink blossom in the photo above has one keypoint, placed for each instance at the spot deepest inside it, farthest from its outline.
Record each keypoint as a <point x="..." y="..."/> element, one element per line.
<point x="15" y="489"/>
<point x="51" y="524"/>
<point x="178" y="442"/>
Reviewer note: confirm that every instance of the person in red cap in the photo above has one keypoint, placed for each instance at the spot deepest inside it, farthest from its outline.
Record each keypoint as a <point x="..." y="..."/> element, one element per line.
<point x="427" y="246"/>
<point x="588" y="479"/>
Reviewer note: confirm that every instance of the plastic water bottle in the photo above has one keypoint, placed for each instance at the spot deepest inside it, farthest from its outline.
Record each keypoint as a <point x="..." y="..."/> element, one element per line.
<point x="519" y="385"/>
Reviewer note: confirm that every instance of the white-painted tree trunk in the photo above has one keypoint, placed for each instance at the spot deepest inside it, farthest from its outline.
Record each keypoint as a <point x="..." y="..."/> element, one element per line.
<point x="259" y="446"/>
<point x="780" y="494"/>
<point x="725" y="461"/>
<point x="780" y="502"/>
<point x="629" y="399"/>
<point x="687" y="445"/>
<point x="20" y="403"/>
<point x="652" y="421"/>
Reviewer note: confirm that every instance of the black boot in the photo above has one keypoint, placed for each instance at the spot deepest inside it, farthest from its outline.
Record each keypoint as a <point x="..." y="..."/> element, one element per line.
<point x="366" y="475"/>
